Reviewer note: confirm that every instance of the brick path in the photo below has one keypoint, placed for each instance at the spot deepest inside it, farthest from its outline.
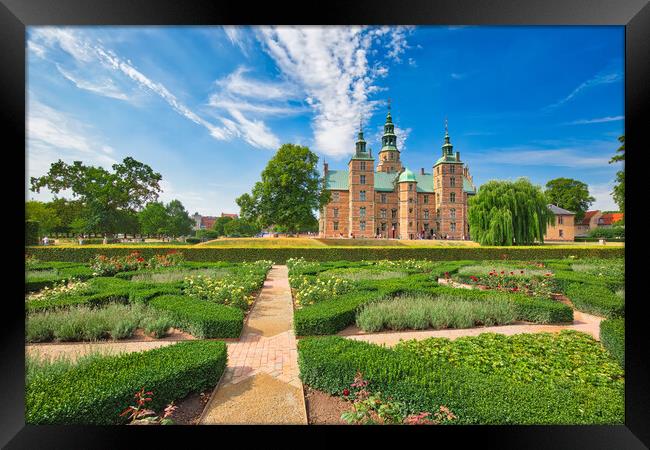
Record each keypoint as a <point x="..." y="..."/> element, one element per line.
<point x="261" y="383"/>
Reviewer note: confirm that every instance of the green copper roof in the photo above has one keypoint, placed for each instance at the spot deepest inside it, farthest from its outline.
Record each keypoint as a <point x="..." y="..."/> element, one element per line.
<point x="407" y="175"/>
<point x="384" y="181"/>
<point x="451" y="159"/>
<point x="468" y="187"/>
<point x="363" y="155"/>
<point x="337" y="180"/>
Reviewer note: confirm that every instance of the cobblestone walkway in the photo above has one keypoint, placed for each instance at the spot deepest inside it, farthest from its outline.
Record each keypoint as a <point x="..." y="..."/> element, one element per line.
<point x="261" y="383"/>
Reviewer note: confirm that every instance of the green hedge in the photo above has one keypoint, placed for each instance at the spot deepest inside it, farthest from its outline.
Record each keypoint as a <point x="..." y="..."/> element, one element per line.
<point x="36" y="281"/>
<point x="330" y="363"/>
<point x="565" y="278"/>
<point x="201" y="318"/>
<point x="612" y="336"/>
<point x="280" y="255"/>
<point x="595" y="299"/>
<point x="98" y="391"/>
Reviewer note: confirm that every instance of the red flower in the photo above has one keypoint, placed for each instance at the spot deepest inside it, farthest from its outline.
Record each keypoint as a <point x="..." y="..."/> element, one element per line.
<point x="346" y="392"/>
<point x="512" y="273"/>
<point x="521" y="271"/>
<point x="548" y="274"/>
<point x="502" y="272"/>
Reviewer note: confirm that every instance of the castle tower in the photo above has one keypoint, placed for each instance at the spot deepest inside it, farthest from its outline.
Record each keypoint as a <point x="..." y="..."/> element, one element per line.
<point x="449" y="195"/>
<point x="407" y="194"/>
<point x="361" y="182"/>
<point x="389" y="154"/>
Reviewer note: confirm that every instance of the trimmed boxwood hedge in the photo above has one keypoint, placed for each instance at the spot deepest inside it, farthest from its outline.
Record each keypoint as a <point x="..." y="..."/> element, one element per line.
<point x="564" y="278"/>
<point x="35" y="282"/>
<point x="330" y="363"/>
<point x="595" y="299"/>
<point x="612" y="336"/>
<point x="201" y="318"/>
<point x="280" y="255"/>
<point x="98" y="391"/>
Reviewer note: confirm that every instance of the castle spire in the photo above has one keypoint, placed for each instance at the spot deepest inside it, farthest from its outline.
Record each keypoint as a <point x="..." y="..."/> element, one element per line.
<point x="447" y="148"/>
<point x="361" y="143"/>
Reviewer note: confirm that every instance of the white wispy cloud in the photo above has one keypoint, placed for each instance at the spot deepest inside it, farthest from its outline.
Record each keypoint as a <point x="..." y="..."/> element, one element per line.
<point x="603" y="195"/>
<point x="458" y="75"/>
<point x="597" y="120"/>
<point x="401" y="133"/>
<point x="238" y="84"/>
<point x="598" y="79"/>
<point x="53" y="134"/>
<point x="333" y="67"/>
<point x="236" y="36"/>
<point x="106" y="87"/>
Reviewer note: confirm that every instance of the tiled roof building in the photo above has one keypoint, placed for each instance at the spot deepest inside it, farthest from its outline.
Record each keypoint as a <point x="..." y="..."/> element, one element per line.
<point x="391" y="201"/>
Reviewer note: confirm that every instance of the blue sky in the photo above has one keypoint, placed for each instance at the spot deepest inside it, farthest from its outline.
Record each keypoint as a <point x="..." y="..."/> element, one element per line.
<point x="207" y="106"/>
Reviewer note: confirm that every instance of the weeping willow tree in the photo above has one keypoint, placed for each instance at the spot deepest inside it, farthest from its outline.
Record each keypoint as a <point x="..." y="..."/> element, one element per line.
<point x="509" y="213"/>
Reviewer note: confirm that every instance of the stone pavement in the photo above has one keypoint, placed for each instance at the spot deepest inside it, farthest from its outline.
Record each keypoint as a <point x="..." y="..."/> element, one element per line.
<point x="260" y="384"/>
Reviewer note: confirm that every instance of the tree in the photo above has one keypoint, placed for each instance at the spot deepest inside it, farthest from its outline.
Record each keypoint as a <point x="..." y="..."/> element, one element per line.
<point x="289" y="193"/>
<point x="67" y="211"/>
<point x="153" y="219"/>
<point x="220" y="224"/>
<point x="44" y="214"/>
<point x="569" y="194"/>
<point x="241" y="228"/>
<point x="103" y="194"/>
<point x="619" y="188"/>
<point x="179" y="222"/>
<point x="509" y="213"/>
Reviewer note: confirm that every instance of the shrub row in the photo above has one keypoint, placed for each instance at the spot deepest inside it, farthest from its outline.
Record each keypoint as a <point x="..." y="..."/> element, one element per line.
<point x="97" y="392"/>
<point x="565" y="278"/>
<point x="595" y="299"/>
<point x="201" y="318"/>
<point x="280" y="255"/>
<point x="612" y="336"/>
<point x="35" y="281"/>
<point x="330" y="363"/>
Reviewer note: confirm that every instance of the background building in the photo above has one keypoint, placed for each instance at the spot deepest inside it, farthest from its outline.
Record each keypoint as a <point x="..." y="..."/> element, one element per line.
<point x="394" y="202"/>
<point x="207" y="222"/>
<point x="597" y="219"/>
<point x="564" y="229"/>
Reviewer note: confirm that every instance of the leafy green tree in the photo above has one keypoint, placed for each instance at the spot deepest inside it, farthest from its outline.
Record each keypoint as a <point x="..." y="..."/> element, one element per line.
<point x="569" y="194"/>
<point x="220" y="224"/>
<point x="103" y="194"/>
<point x="289" y="193"/>
<point x="44" y="214"/>
<point x="619" y="188"/>
<point x="153" y="219"/>
<point x="509" y="213"/>
<point x="67" y="211"/>
<point x="241" y="228"/>
<point x="179" y="222"/>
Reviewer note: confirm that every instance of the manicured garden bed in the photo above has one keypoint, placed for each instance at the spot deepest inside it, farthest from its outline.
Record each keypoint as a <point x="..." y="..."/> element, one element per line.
<point x="97" y="389"/>
<point x="490" y="379"/>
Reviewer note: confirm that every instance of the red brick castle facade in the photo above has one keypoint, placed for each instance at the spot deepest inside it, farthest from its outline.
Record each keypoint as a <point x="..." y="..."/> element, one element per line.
<point x="393" y="202"/>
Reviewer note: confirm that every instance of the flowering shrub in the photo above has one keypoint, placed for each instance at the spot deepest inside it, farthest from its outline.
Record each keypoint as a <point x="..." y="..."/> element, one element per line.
<point x="308" y="291"/>
<point x="408" y="264"/>
<point x="300" y="265"/>
<point x="516" y="281"/>
<point x="63" y="288"/>
<point x="232" y="290"/>
<point x="370" y="408"/>
<point x="30" y="261"/>
<point x="105" y="266"/>
<point x="140" y="415"/>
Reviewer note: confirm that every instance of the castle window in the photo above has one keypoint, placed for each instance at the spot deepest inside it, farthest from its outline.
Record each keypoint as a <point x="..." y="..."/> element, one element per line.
<point x="362" y="196"/>
<point x="438" y="212"/>
<point x="426" y="213"/>
<point x="410" y="224"/>
<point x="383" y="198"/>
<point x="426" y="226"/>
<point x="426" y="199"/>
<point x="411" y="200"/>
<point x="362" y="212"/>
<point x="410" y="210"/>
<point x="452" y="169"/>
<point x="362" y="166"/>
<point x="393" y="213"/>
<point x="561" y="233"/>
<point x="452" y="226"/>
<point x="383" y="226"/>
<point x="336" y="226"/>
<point x="452" y="181"/>
<point x="452" y="197"/>
<point x="559" y="220"/>
<point x="437" y="226"/>
<point x="452" y="213"/>
<point x="336" y="212"/>
<point x="383" y="213"/>
<point x="335" y="196"/>
<point x="362" y="225"/>
<point x="410" y="187"/>
<point x="362" y="179"/>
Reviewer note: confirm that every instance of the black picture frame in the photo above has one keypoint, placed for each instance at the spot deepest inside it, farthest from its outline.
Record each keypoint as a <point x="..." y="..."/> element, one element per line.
<point x="15" y="15"/>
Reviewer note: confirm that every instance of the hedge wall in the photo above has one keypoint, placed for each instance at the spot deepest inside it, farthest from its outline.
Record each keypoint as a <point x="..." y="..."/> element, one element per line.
<point x="32" y="228"/>
<point x="280" y="255"/>
<point x="330" y="363"/>
<point x="96" y="392"/>
<point x="595" y="299"/>
<point x="612" y="335"/>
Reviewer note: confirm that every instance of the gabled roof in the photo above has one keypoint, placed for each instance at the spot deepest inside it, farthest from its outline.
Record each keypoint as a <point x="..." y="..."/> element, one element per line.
<point x="610" y="218"/>
<point x="337" y="180"/>
<point x="559" y="211"/>
<point x="588" y="215"/>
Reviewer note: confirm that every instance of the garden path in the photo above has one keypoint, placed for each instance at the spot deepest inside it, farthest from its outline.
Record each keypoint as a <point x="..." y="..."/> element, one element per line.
<point x="260" y="384"/>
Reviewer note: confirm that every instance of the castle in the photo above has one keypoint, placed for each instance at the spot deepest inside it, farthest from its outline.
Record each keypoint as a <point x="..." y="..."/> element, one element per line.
<point x="392" y="202"/>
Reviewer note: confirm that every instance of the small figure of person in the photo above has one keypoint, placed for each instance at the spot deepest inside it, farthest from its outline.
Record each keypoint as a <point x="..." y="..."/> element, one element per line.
<point x="105" y="241"/>
<point x="45" y="240"/>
